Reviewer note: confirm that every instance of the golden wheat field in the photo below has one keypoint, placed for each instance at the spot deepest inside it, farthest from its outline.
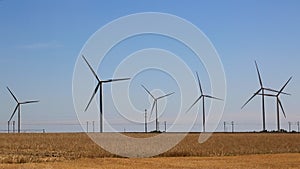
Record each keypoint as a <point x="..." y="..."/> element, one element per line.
<point x="77" y="150"/>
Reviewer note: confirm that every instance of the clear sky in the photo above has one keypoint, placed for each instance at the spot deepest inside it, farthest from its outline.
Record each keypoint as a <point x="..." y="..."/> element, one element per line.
<point x="41" y="40"/>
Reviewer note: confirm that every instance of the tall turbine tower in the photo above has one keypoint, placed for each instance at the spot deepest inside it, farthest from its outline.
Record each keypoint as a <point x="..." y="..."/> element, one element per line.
<point x="99" y="87"/>
<point x="279" y="103"/>
<point x="18" y="107"/>
<point x="203" y="96"/>
<point x="155" y="99"/>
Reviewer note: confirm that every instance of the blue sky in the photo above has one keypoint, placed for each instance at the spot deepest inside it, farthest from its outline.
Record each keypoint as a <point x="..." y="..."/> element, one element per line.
<point x="41" y="40"/>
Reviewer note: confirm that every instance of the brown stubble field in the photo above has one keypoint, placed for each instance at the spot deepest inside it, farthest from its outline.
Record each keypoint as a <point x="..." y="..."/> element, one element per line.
<point x="262" y="161"/>
<point x="222" y="149"/>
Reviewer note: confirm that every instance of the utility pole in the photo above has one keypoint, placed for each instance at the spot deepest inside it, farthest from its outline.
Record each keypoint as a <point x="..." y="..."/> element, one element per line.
<point x="157" y="126"/>
<point x="145" y="120"/>
<point x="224" y="126"/>
<point x="93" y="126"/>
<point x="232" y="126"/>
<point x="290" y="126"/>
<point x="7" y="126"/>
<point x="165" y="126"/>
<point x="298" y="124"/>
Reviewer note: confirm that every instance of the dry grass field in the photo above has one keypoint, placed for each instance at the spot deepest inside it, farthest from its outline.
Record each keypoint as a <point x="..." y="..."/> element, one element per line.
<point x="65" y="149"/>
<point x="262" y="161"/>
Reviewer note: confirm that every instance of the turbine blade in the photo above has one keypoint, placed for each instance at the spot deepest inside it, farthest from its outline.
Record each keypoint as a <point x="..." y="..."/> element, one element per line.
<point x="259" y="77"/>
<point x="201" y="91"/>
<point x="272" y="90"/>
<point x="286" y="93"/>
<point x="12" y="95"/>
<point x="148" y="91"/>
<point x="165" y="95"/>
<point x="193" y="104"/>
<point x="212" y="97"/>
<point x="153" y="105"/>
<point x="256" y="93"/>
<point x="271" y="95"/>
<point x="284" y="85"/>
<point x="32" y="101"/>
<point x="113" y="80"/>
<point x="13" y="112"/>
<point x="94" y="73"/>
<point x="93" y="95"/>
<point x="281" y="107"/>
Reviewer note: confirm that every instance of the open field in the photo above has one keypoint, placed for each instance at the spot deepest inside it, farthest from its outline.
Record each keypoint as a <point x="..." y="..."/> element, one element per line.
<point x="262" y="161"/>
<point x="221" y="149"/>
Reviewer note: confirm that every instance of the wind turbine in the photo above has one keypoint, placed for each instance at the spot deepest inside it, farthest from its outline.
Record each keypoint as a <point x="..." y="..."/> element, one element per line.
<point x="155" y="99"/>
<point x="203" y="96"/>
<point x="99" y="87"/>
<point x="278" y="103"/>
<point x="19" y="109"/>
<point x="262" y="90"/>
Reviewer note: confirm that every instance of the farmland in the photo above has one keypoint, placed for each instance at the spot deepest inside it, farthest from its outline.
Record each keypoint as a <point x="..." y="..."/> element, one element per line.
<point x="262" y="161"/>
<point x="61" y="148"/>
